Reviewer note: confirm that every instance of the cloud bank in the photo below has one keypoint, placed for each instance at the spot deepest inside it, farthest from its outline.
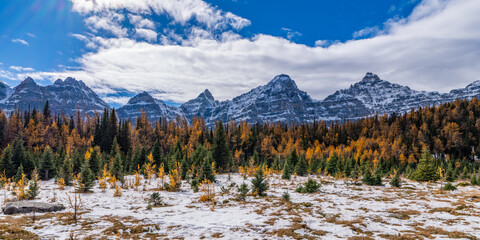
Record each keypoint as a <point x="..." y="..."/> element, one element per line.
<point x="436" y="48"/>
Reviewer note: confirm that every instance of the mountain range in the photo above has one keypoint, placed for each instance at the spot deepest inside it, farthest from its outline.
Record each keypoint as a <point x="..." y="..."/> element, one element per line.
<point x="280" y="100"/>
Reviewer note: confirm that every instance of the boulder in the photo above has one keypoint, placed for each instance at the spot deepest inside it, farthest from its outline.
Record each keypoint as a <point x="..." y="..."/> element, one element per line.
<point x="27" y="207"/>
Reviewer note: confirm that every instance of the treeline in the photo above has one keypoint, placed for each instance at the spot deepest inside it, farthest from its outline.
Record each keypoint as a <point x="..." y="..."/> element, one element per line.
<point x="59" y="145"/>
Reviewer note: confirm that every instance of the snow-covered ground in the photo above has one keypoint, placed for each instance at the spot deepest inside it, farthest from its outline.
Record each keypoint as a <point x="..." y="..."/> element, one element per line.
<point x="340" y="210"/>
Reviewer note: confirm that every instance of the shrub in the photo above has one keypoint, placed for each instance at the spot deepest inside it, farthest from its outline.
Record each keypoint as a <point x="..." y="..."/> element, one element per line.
<point x="396" y="181"/>
<point x="372" y="180"/>
<point x="449" y="187"/>
<point x="286" y="196"/>
<point x="156" y="199"/>
<point x="259" y="184"/>
<point x="311" y="186"/>
<point x="243" y="190"/>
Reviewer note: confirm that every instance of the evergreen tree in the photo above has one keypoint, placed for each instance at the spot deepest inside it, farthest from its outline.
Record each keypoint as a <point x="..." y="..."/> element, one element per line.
<point x="95" y="162"/>
<point x="219" y="147"/>
<point x="286" y="170"/>
<point x="292" y="159"/>
<point x="157" y="154"/>
<point x="67" y="171"/>
<point x="184" y="167"/>
<point x="259" y="184"/>
<point x="311" y="186"/>
<point x="19" y="173"/>
<point x="369" y="179"/>
<point x="47" y="168"/>
<point x="87" y="178"/>
<point x="332" y="164"/>
<point x="473" y="179"/>
<point x="301" y="168"/>
<point x="6" y="162"/>
<point x="243" y="190"/>
<point x="256" y="158"/>
<point x="207" y="171"/>
<point x="396" y="181"/>
<point x="46" y="110"/>
<point x="450" y="175"/>
<point x="33" y="188"/>
<point x="426" y="170"/>
<point x="117" y="167"/>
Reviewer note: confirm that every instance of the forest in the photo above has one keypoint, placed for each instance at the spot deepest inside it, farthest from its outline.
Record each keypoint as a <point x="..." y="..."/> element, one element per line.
<point x="427" y="144"/>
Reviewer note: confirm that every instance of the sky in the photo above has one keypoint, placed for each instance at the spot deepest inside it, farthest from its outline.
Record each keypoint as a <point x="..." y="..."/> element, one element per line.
<point x="175" y="49"/>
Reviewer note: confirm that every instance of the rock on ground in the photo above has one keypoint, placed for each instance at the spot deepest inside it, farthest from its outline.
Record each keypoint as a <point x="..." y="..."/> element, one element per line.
<point x="27" y="207"/>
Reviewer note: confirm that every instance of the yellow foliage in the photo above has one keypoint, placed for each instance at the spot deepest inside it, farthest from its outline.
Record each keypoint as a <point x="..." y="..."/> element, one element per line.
<point x="208" y="190"/>
<point x="174" y="184"/>
<point x="20" y="187"/>
<point x="61" y="184"/>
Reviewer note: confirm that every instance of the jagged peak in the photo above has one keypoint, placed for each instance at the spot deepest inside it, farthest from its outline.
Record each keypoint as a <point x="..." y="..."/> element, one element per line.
<point x="474" y="84"/>
<point x="142" y="97"/>
<point x="371" y="77"/>
<point x="207" y="94"/>
<point x="28" y="82"/>
<point x="281" y="81"/>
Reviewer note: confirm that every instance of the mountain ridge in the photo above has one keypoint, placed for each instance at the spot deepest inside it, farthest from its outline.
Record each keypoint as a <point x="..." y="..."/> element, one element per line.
<point x="279" y="100"/>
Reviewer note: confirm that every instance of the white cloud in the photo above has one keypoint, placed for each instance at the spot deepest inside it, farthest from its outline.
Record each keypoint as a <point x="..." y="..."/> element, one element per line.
<point x="21" y="69"/>
<point x="436" y="48"/>
<point x="31" y="35"/>
<point x="140" y="22"/>
<point x="146" y="34"/>
<point x="21" y="41"/>
<point x="367" y="32"/>
<point x="291" y="34"/>
<point x="181" y="11"/>
<point x="108" y="21"/>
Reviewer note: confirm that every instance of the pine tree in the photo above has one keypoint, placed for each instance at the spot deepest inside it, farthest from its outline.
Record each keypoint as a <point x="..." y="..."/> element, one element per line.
<point x="184" y="167"/>
<point x="450" y="174"/>
<point x="19" y="173"/>
<point x="94" y="162"/>
<point x="219" y="147"/>
<point x="292" y="159"/>
<point x="207" y="171"/>
<point x="332" y="164"/>
<point x="157" y="154"/>
<point x="6" y="162"/>
<point x="33" y="189"/>
<point x="243" y="190"/>
<point x="87" y="178"/>
<point x="396" y="181"/>
<point x="46" y="111"/>
<point x="47" y="168"/>
<point x="117" y="167"/>
<point x="473" y="179"/>
<point x="259" y="184"/>
<point x="426" y="170"/>
<point x="67" y="171"/>
<point x="286" y="171"/>
<point x="301" y="168"/>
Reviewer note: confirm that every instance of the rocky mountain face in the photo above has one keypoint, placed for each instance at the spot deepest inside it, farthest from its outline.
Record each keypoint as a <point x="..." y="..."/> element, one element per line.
<point x="65" y="96"/>
<point x="279" y="100"/>
<point x="153" y="108"/>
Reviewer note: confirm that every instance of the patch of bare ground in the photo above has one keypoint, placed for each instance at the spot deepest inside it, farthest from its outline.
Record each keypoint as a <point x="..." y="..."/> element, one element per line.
<point x="431" y="232"/>
<point x="402" y="214"/>
<point x="298" y="224"/>
<point x="13" y="228"/>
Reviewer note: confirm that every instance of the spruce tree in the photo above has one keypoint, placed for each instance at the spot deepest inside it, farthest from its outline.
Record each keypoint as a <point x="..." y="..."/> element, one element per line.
<point x="117" y="167"/>
<point x="19" y="173"/>
<point x="6" y="162"/>
<point x="47" y="168"/>
<point x="286" y="170"/>
<point x="67" y="171"/>
<point x="426" y="170"/>
<point x="301" y="168"/>
<point x="184" y="167"/>
<point x="33" y="188"/>
<point x="332" y="164"/>
<point x="207" y="171"/>
<point x="396" y="181"/>
<point x="157" y="154"/>
<point x="94" y="162"/>
<point x="259" y="184"/>
<point x="219" y="147"/>
<point x="87" y="178"/>
<point x="473" y="179"/>
<point x="292" y="159"/>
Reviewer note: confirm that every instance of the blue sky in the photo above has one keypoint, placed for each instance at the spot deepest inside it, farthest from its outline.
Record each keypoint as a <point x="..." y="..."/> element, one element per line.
<point x="175" y="49"/>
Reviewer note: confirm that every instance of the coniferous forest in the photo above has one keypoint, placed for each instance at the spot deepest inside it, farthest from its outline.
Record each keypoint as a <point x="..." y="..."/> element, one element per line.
<point x="448" y="136"/>
<point x="130" y="174"/>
